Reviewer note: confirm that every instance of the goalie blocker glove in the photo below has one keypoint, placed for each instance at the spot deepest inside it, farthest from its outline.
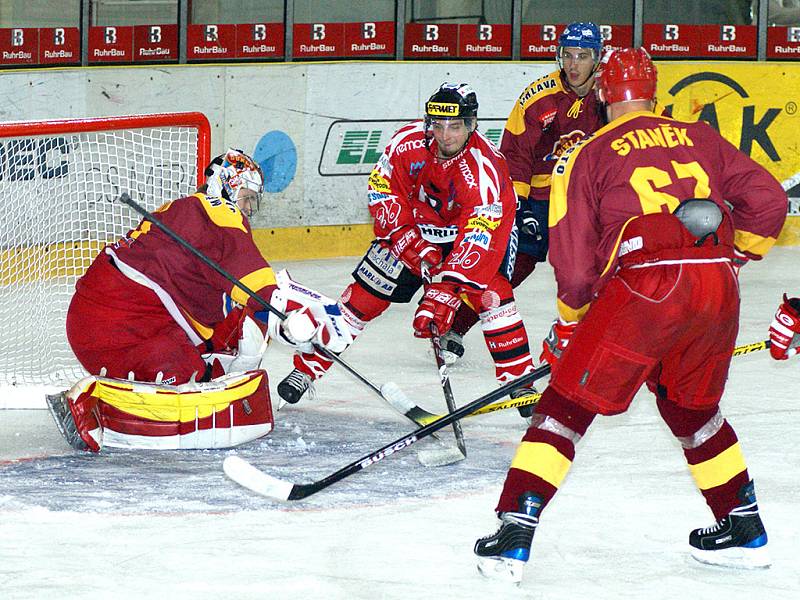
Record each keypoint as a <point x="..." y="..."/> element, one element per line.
<point x="784" y="332"/>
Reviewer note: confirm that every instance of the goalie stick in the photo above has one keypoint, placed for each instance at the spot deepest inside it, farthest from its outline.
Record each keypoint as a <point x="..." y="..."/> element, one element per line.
<point x="248" y="476"/>
<point x="423" y="417"/>
<point x="389" y="392"/>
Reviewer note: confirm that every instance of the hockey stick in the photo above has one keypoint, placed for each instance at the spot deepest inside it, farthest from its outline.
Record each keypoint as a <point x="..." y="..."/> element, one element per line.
<point x="389" y="392"/>
<point x="444" y="376"/>
<point x="424" y="417"/>
<point x="246" y="475"/>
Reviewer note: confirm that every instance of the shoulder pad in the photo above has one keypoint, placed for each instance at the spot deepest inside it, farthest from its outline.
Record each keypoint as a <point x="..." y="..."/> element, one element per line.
<point x="544" y="86"/>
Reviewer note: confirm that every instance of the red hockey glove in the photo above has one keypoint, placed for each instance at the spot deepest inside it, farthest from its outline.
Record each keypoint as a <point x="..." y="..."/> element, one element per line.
<point x="784" y="332"/>
<point x="555" y="342"/>
<point x="409" y="248"/>
<point x="438" y="307"/>
<point x="739" y="260"/>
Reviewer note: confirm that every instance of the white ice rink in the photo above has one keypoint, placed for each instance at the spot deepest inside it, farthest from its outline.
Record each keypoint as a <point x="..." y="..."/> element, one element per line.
<point x="170" y="525"/>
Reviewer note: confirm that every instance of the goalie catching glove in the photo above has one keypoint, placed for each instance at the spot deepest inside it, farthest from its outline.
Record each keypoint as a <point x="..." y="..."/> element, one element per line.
<point x="556" y="341"/>
<point x="311" y="318"/>
<point x="784" y="332"/>
<point x="438" y="307"/>
<point x="411" y="249"/>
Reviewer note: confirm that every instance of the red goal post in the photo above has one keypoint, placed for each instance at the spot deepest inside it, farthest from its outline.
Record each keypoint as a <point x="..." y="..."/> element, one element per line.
<point x="59" y="181"/>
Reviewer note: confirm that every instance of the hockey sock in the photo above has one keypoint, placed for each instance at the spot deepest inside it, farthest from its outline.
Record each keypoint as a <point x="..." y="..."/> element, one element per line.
<point x="547" y="450"/>
<point x="712" y="452"/>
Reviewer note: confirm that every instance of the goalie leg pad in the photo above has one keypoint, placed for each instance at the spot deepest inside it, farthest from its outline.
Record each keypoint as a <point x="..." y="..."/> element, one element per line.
<point x="222" y="413"/>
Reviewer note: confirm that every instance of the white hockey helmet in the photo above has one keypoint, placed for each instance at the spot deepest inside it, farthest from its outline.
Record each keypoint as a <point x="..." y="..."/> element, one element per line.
<point x="230" y="173"/>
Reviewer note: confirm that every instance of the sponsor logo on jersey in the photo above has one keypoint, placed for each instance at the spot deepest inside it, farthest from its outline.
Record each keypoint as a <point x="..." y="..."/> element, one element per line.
<point x="545" y="83"/>
<point x="416" y="167"/>
<point x="490" y="211"/>
<point x="564" y="143"/>
<point x="379" y="183"/>
<point x="376" y="197"/>
<point x="482" y="239"/>
<point x="441" y="109"/>
<point x="436" y="234"/>
<point x="482" y="224"/>
<point x="383" y="163"/>
<point x="548" y="117"/>
<point x="635" y="243"/>
<point x="409" y="145"/>
<point x="374" y="280"/>
<point x="466" y="172"/>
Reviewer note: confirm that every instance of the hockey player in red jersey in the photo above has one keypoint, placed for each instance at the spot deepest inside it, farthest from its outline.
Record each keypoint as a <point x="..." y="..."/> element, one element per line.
<point x="439" y="194"/>
<point x="646" y="217"/>
<point x="157" y="328"/>
<point x="551" y="115"/>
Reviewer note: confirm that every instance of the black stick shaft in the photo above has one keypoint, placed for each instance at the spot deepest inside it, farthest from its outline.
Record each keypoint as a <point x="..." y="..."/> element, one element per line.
<point x="303" y="490"/>
<point x="125" y="198"/>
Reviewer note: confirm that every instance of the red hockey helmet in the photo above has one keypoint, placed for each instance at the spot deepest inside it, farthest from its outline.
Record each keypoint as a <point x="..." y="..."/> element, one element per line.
<point x="626" y="74"/>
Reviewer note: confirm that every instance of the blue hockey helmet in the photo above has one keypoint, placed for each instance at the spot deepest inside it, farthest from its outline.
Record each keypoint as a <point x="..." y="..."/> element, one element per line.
<point x="580" y="35"/>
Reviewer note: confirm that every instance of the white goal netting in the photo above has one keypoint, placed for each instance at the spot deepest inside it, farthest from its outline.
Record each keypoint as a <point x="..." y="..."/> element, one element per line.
<point x="59" y="182"/>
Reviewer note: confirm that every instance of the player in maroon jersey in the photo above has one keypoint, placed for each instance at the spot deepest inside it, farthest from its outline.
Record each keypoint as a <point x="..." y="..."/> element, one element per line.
<point x="551" y="115"/>
<point x="150" y="311"/>
<point x="439" y="194"/>
<point x="646" y="218"/>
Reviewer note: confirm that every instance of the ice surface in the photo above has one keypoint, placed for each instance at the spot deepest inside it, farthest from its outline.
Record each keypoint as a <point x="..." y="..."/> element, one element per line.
<point x="170" y="525"/>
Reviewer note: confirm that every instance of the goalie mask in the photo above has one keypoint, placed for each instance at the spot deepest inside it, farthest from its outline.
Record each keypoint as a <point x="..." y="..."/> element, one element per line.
<point x="626" y="75"/>
<point x="237" y="178"/>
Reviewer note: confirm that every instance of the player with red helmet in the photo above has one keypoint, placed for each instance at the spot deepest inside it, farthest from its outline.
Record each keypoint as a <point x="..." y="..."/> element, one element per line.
<point x="645" y="217"/>
<point x="439" y="194"/>
<point x="551" y="115"/>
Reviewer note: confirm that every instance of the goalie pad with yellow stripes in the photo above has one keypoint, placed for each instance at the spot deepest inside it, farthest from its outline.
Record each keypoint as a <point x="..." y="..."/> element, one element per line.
<point x="221" y="413"/>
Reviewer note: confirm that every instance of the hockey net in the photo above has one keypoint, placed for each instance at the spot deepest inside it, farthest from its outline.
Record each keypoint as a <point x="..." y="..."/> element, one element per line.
<point x="59" y="182"/>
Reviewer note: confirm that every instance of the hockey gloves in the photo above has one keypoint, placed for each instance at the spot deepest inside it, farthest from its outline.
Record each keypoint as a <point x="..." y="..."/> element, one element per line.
<point x="555" y="342"/>
<point x="784" y="332"/>
<point x="438" y="306"/>
<point x="739" y="260"/>
<point x="409" y="248"/>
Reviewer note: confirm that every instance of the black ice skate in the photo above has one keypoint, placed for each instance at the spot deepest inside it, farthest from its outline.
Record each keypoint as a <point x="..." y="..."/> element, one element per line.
<point x="57" y="404"/>
<point x="737" y="540"/>
<point x="504" y="554"/>
<point x="524" y="411"/>
<point x="452" y="347"/>
<point x="293" y="386"/>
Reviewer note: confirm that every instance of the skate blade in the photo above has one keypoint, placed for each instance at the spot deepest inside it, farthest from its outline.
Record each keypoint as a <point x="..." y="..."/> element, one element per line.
<point x="501" y="569"/>
<point x="734" y="558"/>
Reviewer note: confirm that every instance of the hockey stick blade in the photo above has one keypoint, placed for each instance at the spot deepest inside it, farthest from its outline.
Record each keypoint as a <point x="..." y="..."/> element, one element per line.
<point x="430" y="457"/>
<point x="246" y="475"/>
<point x="283" y="490"/>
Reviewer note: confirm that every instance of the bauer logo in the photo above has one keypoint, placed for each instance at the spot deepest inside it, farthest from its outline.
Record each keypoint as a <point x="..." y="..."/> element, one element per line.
<point x="355" y="147"/>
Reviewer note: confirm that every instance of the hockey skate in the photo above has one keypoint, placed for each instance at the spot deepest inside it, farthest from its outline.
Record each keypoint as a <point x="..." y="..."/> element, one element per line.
<point x="452" y="347"/>
<point x="58" y="407"/>
<point x="293" y="386"/>
<point x="524" y="411"/>
<point x="737" y="540"/>
<point x="503" y="555"/>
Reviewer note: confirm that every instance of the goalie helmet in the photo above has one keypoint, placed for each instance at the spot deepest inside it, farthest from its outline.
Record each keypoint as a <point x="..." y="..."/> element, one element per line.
<point x="625" y="75"/>
<point x="580" y="35"/>
<point x="453" y="101"/>
<point x="230" y="173"/>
